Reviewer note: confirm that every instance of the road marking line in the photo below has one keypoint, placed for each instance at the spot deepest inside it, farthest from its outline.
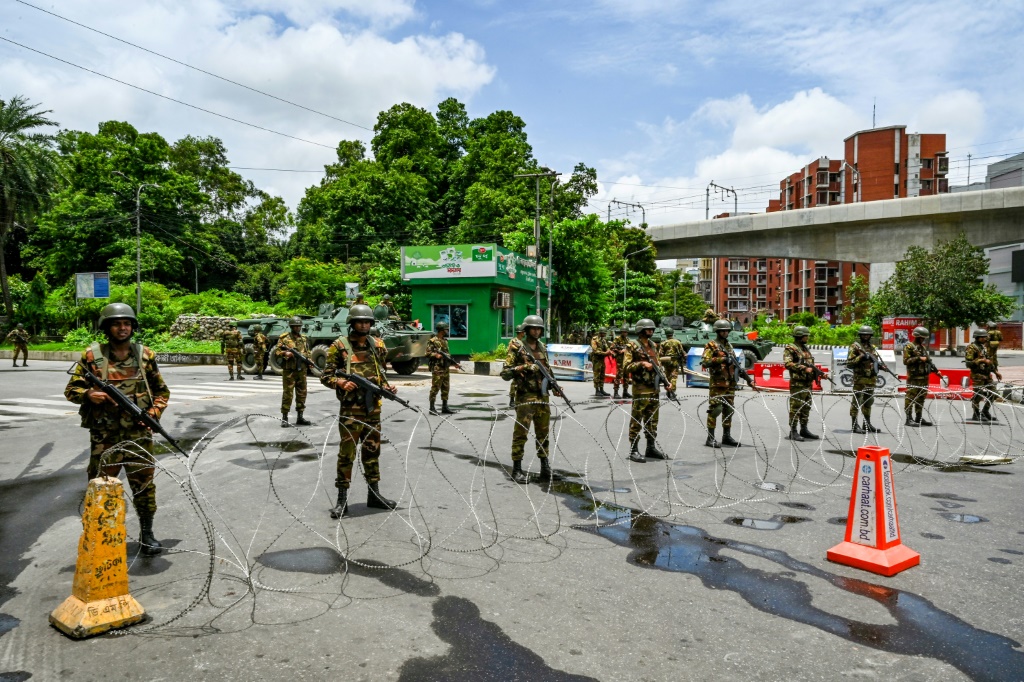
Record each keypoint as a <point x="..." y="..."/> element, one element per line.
<point x="37" y="411"/>
<point x="39" y="401"/>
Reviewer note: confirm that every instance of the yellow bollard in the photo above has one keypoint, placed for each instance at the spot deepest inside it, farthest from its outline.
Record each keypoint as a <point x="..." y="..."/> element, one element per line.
<point x="99" y="599"/>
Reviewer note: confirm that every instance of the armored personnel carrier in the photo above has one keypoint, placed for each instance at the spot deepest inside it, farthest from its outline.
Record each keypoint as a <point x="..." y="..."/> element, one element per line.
<point x="699" y="333"/>
<point x="406" y="346"/>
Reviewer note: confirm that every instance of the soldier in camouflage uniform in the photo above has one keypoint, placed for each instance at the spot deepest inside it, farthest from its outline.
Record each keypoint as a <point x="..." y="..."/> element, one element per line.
<point x="531" y="401"/>
<point x="918" y="363"/>
<point x="981" y="366"/>
<point x="231" y="345"/>
<point x="719" y="361"/>
<point x="440" y="377"/>
<point x="800" y="362"/>
<point x="293" y="371"/>
<point x="710" y="316"/>
<point x="365" y="355"/>
<point x="672" y="357"/>
<point x="512" y="344"/>
<point x="19" y="337"/>
<point x="132" y="369"/>
<point x="619" y="344"/>
<point x="640" y="359"/>
<point x="995" y="337"/>
<point x="259" y="349"/>
<point x="599" y="350"/>
<point x="863" y="359"/>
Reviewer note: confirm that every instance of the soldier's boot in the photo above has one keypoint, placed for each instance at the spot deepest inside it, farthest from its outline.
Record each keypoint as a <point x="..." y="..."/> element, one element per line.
<point x="626" y="394"/>
<point x="240" y="377"/>
<point x="857" y="427"/>
<point x="806" y="433"/>
<point x="975" y="417"/>
<point x="284" y="420"/>
<point x="921" y="421"/>
<point x="433" y="408"/>
<point x="598" y="392"/>
<point x="150" y="545"/>
<point x="231" y="377"/>
<point x="302" y="421"/>
<point x="518" y="475"/>
<point x="605" y="393"/>
<point x="24" y="362"/>
<point x="615" y="395"/>
<point x="910" y="421"/>
<point x="794" y="434"/>
<point x="341" y="508"/>
<point x="727" y="439"/>
<point x="653" y="452"/>
<point x="634" y="452"/>
<point x="869" y="427"/>
<point x="377" y="501"/>
<point x="711" y="442"/>
<point x="986" y="415"/>
<point x="444" y="408"/>
<point x="545" y="469"/>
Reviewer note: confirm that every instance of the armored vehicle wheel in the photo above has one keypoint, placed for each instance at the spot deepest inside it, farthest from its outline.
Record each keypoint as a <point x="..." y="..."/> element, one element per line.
<point x="319" y="356"/>
<point x="406" y="367"/>
<point x="750" y="357"/>
<point x="273" y="363"/>
<point x="248" y="359"/>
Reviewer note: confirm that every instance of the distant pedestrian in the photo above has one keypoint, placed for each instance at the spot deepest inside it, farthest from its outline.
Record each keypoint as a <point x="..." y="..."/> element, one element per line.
<point x="19" y="337"/>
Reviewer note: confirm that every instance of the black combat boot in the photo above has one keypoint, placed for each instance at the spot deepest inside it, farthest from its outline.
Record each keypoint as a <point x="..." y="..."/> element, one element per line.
<point x="605" y="393"/>
<point x="727" y="438"/>
<point x="634" y="453"/>
<point x="794" y="434"/>
<point x="615" y="393"/>
<point x="240" y="377"/>
<point x="231" y="377"/>
<point x="433" y="408"/>
<point x="545" y="469"/>
<point x="341" y="508"/>
<point x="857" y="427"/>
<point x="653" y="452"/>
<point x="921" y="421"/>
<point x="24" y="363"/>
<point x="869" y="427"/>
<point x="444" y="408"/>
<point x="711" y="442"/>
<point x="302" y="421"/>
<point x="518" y="475"/>
<point x="150" y="545"/>
<point x="626" y="394"/>
<point x="284" y="420"/>
<point x="987" y="416"/>
<point x="910" y="421"/>
<point x="806" y="433"/>
<point x="975" y="417"/>
<point x="598" y="393"/>
<point x="375" y="500"/>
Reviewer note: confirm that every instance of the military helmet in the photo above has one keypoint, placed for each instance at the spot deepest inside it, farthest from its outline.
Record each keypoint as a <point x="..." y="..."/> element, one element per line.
<point x="441" y="326"/>
<point x="710" y="311"/>
<point x="360" y="313"/>
<point x="645" y="323"/>
<point x="801" y="330"/>
<point x="722" y="326"/>
<point x="533" y="321"/>
<point x="602" y="330"/>
<point x="669" y="333"/>
<point x="387" y="297"/>
<point x="980" y="333"/>
<point x="993" y="325"/>
<point x="520" y="329"/>
<point x="866" y="330"/>
<point x="921" y="333"/>
<point x="117" y="311"/>
<point x="296" y="321"/>
<point x="21" y="326"/>
<point x="257" y="328"/>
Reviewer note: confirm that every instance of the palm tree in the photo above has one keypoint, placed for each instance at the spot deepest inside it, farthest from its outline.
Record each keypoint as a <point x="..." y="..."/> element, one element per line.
<point x="30" y="169"/>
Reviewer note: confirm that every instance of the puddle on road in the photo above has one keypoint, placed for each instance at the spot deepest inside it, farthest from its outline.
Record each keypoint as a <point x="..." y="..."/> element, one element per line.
<point x="282" y="445"/>
<point x="837" y="521"/>
<point x="933" y="536"/>
<point x="797" y="505"/>
<point x="947" y="496"/>
<point x="315" y="560"/>
<point x="963" y="518"/>
<point x="271" y="464"/>
<point x="999" y="560"/>
<point x="774" y="523"/>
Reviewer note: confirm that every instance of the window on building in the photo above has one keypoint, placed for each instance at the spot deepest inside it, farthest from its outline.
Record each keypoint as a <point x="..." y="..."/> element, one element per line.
<point x="457" y="317"/>
<point x="896" y="190"/>
<point x="926" y="163"/>
<point x="508" y="323"/>
<point x="897" y="171"/>
<point x="926" y="184"/>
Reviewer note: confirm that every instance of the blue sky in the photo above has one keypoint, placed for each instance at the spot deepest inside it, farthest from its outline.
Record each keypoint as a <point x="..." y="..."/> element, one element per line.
<point x="661" y="96"/>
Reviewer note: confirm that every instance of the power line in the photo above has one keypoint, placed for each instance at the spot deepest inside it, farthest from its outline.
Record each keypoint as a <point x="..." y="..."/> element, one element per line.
<point x="189" y="66"/>
<point x="171" y="99"/>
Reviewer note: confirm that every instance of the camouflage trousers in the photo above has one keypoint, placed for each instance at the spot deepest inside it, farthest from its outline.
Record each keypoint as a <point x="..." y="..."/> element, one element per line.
<point x="534" y="410"/>
<point x="863" y="397"/>
<point x="293" y="381"/>
<point x="621" y="377"/>
<point x="913" y="404"/>
<point x="233" y="356"/>
<point x="671" y="373"/>
<point x="598" y="367"/>
<point x="644" y="416"/>
<point x="356" y="429"/>
<point x="721" y="401"/>
<point x="440" y="381"/>
<point x="799" y="404"/>
<point x="260" y="358"/>
<point x="23" y="349"/>
<point x="984" y="392"/>
<point x="136" y="458"/>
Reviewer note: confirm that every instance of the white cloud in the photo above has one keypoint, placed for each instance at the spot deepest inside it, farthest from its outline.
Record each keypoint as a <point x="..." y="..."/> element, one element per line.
<point x="960" y="114"/>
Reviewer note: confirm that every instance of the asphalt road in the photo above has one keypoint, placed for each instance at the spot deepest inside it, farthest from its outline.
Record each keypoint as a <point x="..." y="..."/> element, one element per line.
<point x="710" y="565"/>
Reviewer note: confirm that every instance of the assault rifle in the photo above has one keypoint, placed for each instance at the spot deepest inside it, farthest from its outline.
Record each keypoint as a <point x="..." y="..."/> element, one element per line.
<point x="302" y="358"/>
<point x="740" y="372"/>
<point x="659" y="375"/>
<point x="448" y="360"/>
<point x="549" y="381"/>
<point x="817" y="374"/>
<point x="370" y="390"/>
<point x="124" y="403"/>
<point x="932" y="369"/>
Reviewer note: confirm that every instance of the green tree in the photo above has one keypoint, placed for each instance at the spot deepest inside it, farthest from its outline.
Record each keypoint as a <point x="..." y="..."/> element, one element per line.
<point x="30" y="169"/>
<point x="305" y="284"/>
<point x="33" y="307"/>
<point x="677" y="293"/>
<point x="857" y="295"/>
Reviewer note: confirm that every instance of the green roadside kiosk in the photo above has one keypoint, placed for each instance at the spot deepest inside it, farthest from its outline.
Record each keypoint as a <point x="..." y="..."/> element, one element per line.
<point x="481" y="290"/>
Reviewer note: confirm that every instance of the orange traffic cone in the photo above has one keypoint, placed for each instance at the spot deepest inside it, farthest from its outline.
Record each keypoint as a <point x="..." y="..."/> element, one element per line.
<point x="99" y="599"/>
<point x="872" y="540"/>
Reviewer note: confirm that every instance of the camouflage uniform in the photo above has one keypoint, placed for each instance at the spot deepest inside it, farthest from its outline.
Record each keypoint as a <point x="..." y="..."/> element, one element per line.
<point x="621" y="376"/>
<point x="108" y="426"/>
<point x="672" y="359"/>
<point x="364" y="356"/>
<point x="721" y="382"/>
<point x="599" y="350"/>
<point x="646" y="401"/>
<point x="231" y="346"/>
<point x="797" y="357"/>
<point x="862" y="359"/>
<point x="531" y="405"/>
<point x="440" y="372"/>
<point x="916" y="359"/>
<point x="259" y="351"/>
<point x="981" y="366"/>
<point x="19" y="337"/>
<point x="710" y="316"/>
<point x="293" y="371"/>
<point x="513" y="344"/>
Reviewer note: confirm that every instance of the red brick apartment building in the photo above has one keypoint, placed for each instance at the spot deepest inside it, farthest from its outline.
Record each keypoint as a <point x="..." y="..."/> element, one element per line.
<point x="881" y="163"/>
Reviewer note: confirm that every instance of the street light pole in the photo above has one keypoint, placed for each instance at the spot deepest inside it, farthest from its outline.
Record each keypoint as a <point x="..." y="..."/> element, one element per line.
<point x="625" y="261"/>
<point x="536" y="229"/>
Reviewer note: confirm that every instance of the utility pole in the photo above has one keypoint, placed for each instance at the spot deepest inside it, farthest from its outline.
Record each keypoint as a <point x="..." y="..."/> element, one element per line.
<point x="624" y="203"/>
<point x="138" y="240"/>
<point x="724" y="190"/>
<point x="536" y="230"/>
<point x="968" y="169"/>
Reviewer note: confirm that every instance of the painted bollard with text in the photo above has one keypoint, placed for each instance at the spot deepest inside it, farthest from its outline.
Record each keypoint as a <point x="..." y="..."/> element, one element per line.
<point x="872" y="541"/>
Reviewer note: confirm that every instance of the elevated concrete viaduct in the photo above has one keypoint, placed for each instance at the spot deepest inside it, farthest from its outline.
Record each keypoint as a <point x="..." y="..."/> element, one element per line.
<point x="871" y="232"/>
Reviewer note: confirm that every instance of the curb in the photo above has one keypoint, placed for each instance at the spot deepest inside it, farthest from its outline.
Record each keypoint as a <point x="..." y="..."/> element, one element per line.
<point x="162" y="358"/>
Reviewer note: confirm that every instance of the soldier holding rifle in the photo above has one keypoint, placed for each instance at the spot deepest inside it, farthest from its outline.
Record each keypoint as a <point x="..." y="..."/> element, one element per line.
<point x="802" y="373"/>
<point x="919" y="367"/>
<point x="642" y="364"/>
